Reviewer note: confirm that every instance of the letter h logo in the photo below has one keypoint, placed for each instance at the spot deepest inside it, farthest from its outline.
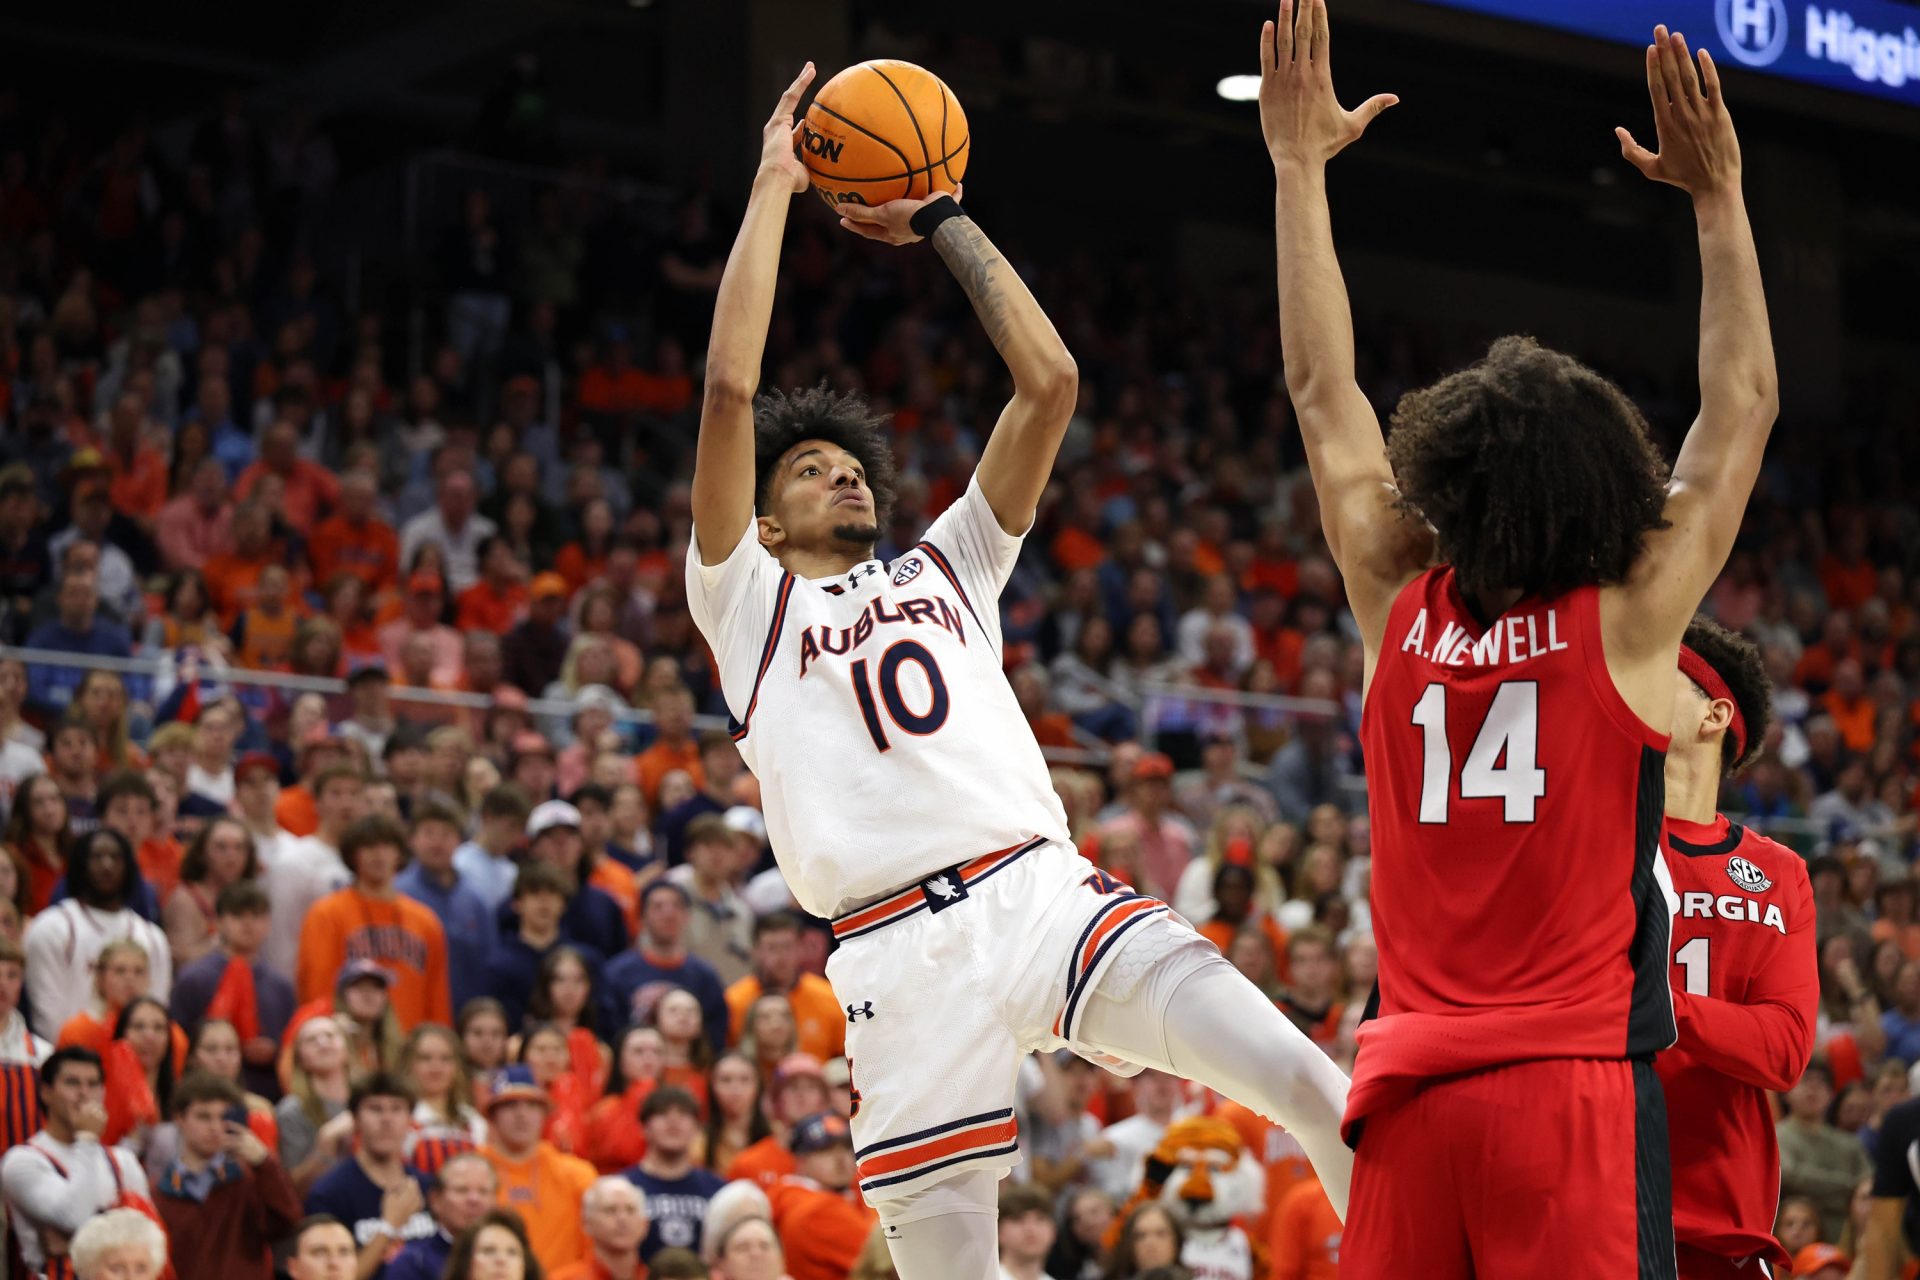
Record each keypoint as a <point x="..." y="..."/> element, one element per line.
<point x="1754" y="31"/>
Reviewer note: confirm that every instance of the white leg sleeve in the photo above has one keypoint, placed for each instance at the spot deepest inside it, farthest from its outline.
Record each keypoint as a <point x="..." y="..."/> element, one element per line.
<point x="949" y="1231"/>
<point x="1194" y="1015"/>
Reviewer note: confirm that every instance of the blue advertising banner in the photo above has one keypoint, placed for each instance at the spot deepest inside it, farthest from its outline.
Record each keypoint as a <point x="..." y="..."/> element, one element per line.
<point x="1856" y="46"/>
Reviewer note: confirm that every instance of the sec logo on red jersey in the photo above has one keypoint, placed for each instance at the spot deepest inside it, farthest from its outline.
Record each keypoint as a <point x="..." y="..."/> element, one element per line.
<point x="1747" y="876"/>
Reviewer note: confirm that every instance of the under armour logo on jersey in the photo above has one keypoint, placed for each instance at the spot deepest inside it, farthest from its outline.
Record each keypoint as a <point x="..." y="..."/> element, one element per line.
<point x="855" y="1012"/>
<point x="1747" y="876"/>
<point x="863" y="571"/>
<point x="909" y="570"/>
<point x="943" y="890"/>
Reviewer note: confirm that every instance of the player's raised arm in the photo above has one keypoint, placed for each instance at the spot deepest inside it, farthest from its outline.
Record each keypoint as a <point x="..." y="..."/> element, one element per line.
<point x="1046" y="385"/>
<point x="1376" y="547"/>
<point x="1739" y="390"/>
<point x="723" y="460"/>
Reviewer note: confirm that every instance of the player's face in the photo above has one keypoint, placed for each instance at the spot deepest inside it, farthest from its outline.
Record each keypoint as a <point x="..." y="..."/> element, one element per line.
<point x="1688" y="708"/>
<point x="821" y="499"/>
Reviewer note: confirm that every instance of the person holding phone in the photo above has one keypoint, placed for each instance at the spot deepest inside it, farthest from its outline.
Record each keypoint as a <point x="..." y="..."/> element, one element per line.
<point x="225" y="1200"/>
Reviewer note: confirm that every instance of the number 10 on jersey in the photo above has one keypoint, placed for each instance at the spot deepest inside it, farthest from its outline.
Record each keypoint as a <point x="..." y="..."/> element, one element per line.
<point x="1500" y="766"/>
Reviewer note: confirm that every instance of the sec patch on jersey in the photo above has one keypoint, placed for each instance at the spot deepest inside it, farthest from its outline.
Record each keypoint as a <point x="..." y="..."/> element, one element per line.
<point x="909" y="570"/>
<point x="1747" y="876"/>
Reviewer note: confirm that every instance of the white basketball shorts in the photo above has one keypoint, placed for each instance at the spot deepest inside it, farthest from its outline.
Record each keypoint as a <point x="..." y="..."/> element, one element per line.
<point x="949" y="983"/>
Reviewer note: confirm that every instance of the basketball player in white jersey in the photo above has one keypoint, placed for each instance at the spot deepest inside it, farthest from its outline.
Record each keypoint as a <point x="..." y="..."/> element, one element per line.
<point x="906" y="798"/>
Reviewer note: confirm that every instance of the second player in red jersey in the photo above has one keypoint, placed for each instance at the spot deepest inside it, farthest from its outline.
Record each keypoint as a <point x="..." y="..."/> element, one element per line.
<point x="1746" y="982"/>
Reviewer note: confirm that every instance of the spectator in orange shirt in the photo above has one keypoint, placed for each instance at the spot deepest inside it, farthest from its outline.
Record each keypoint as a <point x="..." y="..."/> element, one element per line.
<point x="1846" y="574"/>
<point x="822" y="1226"/>
<point x="614" y="1215"/>
<point x="543" y="1184"/>
<point x="1303" y="1237"/>
<point x="354" y="539"/>
<point x="370" y="920"/>
<point x="263" y="633"/>
<point x="233" y="578"/>
<point x="139" y="471"/>
<point x="498" y="601"/>
<point x="820" y="1020"/>
<point x="309" y="489"/>
<point x="674" y="746"/>
<point x="1050" y="728"/>
<point x="612" y="384"/>
<point x="1852" y="709"/>
<point x="1312" y="1001"/>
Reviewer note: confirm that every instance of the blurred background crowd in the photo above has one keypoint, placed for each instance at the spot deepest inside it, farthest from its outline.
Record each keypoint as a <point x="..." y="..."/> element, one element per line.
<point x="315" y="605"/>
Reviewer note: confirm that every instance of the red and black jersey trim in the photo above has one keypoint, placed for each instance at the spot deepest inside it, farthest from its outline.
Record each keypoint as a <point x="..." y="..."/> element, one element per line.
<point x="1108" y="925"/>
<point x="1725" y="844"/>
<point x="785" y="594"/>
<point x="1650" y="1021"/>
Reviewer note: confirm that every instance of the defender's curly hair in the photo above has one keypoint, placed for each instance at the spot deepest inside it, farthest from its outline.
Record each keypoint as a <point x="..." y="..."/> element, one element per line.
<point x="1736" y="659"/>
<point x="1535" y="472"/>
<point x="782" y="419"/>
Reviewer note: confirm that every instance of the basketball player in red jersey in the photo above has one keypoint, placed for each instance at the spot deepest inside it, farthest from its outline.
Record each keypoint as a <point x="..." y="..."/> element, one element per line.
<point x="1522" y="568"/>
<point x="1746" y="980"/>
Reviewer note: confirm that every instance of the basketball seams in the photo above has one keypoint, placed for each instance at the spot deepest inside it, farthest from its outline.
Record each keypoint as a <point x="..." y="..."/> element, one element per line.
<point x="945" y="162"/>
<point x="913" y="120"/>
<point x="906" y="163"/>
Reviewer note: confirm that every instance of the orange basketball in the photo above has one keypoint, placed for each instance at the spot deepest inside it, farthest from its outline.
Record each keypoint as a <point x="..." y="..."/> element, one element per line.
<point x="884" y="130"/>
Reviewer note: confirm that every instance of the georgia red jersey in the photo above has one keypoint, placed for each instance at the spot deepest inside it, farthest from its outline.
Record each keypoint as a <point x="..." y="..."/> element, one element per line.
<point x="1746" y="986"/>
<point x="1518" y="895"/>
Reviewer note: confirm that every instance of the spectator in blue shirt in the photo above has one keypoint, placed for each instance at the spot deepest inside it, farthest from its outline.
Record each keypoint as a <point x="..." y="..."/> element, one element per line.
<point x="77" y="627"/>
<point x="592" y="916"/>
<point x="659" y="962"/>
<point x="380" y="1197"/>
<point x="513" y="969"/>
<point x="1902" y="1022"/>
<point x="677" y="1190"/>
<point x="431" y="879"/>
<point x="461" y="1194"/>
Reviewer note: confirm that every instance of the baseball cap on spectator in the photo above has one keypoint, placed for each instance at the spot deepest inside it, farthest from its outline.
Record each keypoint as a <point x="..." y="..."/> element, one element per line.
<point x="546" y="586"/>
<point x="550" y="814"/>
<point x="516" y="1084"/>
<point x="598" y="695"/>
<point x="361" y="971"/>
<point x="1150" y="766"/>
<point x="744" y="819"/>
<point x="823" y="1132"/>
<point x="531" y="742"/>
<point x="424" y="581"/>
<point x="247" y="763"/>
<point x="1812" y="1259"/>
<point x="837" y="1072"/>
<point x="797" y="1066"/>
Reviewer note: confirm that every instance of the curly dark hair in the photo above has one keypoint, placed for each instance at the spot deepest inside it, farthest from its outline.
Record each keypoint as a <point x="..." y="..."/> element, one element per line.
<point x="782" y="419"/>
<point x="1535" y="472"/>
<point x="1736" y="660"/>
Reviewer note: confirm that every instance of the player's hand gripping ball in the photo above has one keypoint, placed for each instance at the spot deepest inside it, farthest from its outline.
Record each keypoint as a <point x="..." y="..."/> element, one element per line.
<point x="884" y="130"/>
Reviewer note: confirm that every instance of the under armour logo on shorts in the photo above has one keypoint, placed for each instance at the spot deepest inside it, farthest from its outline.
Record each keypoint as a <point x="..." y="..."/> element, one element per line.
<point x="943" y="890"/>
<point x="855" y="1012"/>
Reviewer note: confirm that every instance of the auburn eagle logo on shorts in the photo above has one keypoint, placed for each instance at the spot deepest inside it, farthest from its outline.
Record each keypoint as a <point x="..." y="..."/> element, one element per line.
<point x="1747" y="876"/>
<point x="909" y="570"/>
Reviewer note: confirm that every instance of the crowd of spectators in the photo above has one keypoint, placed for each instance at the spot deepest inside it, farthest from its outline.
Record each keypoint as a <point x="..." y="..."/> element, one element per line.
<point x="474" y="977"/>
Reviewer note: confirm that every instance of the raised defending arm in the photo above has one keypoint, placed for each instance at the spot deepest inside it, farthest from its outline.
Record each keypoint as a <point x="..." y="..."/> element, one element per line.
<point x="1739" y="390"/>
<point x="723" y="460"/>
<point x="1019" y="455"/>
<point x="1376" y="548"/>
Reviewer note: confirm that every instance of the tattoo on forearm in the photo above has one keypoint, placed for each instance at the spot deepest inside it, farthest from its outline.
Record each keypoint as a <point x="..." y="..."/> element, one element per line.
<point x="972" y="259"/>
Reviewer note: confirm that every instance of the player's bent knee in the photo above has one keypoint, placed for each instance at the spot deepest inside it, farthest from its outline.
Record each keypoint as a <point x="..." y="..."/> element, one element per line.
<point x="968" y="1191"/>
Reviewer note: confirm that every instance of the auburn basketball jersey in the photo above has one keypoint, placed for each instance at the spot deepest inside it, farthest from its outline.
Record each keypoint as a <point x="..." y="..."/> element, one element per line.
<point x="1518" y="898"/>
<point x="873" y="708"/>
<point x="1746" y="990"/>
